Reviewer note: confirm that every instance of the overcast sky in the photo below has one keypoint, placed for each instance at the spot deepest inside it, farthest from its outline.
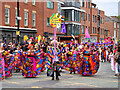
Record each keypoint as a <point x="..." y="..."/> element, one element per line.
<point x="109" y="6"/>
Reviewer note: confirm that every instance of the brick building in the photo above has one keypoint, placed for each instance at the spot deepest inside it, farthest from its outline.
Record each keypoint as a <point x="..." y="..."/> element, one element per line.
<point x="34" y="18"/>
<point x="29" y="23"/>
<point x="94" y="21"/>
<point x="112" y="25"/>
<point x="79" y="15"/>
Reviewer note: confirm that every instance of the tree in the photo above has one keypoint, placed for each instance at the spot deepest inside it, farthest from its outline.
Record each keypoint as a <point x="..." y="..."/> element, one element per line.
<point x="119" y="17"/>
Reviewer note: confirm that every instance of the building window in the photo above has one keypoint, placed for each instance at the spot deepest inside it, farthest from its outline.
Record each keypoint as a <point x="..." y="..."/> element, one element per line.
<point x="82" y="30"/>
<point x="106" y="33"/>
<point x="101" y="20"/>
<point x="86" y="16"/>
<point x="68" y="15"/>
<point x="114" y="24"/>
<point x="26" y="1"/>
<point x="93" y="30"/>
<point x="33" y="16"/>
<point x="59" y="8"/>
<point x="33" y="2"/>
<point x="114" y="33"/>
<point x="6" y="16"/>
<point x="48" y="22"/>
<point x="82" y="16"/>
<point x="26" y="18"/>
<point x="93" y="18"/>
<point x="68" y="29"/>
<point x="75" y="17"/>
<point x="82" y="3"/>
<point x="89" y="17"/>
<point x="88" y="4"/>
<point x="118" y="26"/>
<point x="78" y="16"/>
<point x="16" y="23"/>
<point x="50" y="4"/>
<point x="98" y="11"/>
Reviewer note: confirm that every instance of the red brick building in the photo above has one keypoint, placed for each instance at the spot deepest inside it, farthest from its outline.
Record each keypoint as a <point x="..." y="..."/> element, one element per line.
<point x="34" y="18"/>
<point x="112" y="25"/>
<point x="79" y="15"/>
<point x="94" y="21"/>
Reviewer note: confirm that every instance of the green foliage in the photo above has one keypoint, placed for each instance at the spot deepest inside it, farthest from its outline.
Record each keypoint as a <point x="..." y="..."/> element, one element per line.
<point x="119" y="17"/>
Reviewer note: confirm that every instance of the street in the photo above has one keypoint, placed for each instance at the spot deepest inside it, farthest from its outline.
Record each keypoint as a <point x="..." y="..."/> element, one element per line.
<point x="103" y="79"/>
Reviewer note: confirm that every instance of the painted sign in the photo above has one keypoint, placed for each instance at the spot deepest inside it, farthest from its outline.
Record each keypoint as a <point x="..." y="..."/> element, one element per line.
<point x="55" y="20"/>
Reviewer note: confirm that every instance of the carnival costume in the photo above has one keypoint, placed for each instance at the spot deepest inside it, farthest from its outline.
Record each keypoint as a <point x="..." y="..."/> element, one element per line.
<point x="89" y="64"/>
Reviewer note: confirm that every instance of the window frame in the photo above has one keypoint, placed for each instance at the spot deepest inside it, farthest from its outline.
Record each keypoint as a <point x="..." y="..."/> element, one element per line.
<point x="93" y="18"/>
<point x="82" y="16"/>
<point x="25" y="1"/>
<point x="50" y="4"/>
<point x="88" y="4"/>
<point x="114" y="24"/>
<point x="48" y="22"/>
<point x="93" y="30"/>
<point x="82" y="29"/>
<point x="25" y="18"/>
<point x="16" y="21"/>
<point x="8" y="16"/>
<point x="33" y="20"/>
<point x="86" y="17"/>
<point x="33" y="2"/>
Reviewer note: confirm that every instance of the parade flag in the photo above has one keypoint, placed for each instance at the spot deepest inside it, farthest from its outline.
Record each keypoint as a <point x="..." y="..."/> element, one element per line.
<point x="63" y="28"/>
<point x="87" y="34"/>
<point x="39" y="38"/>
<point x="25" y="38"/>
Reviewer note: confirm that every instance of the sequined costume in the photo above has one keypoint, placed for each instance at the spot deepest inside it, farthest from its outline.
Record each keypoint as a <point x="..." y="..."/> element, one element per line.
<point x="32" y="64"/>
<point x="89" y="64"/>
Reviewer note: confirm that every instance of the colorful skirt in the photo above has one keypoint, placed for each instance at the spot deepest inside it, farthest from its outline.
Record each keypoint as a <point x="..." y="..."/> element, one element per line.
<point x="89" y="65"/>
<point x="32" y="66"/>
<point x="9" y="61"/>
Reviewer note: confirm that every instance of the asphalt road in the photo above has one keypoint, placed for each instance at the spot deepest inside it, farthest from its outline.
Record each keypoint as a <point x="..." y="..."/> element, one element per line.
<point x="103" y="79"/>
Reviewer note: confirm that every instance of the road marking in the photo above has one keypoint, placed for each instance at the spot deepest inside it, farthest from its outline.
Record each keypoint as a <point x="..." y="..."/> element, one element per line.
<point x="93" y="85"/>
<point x="13" y="82"/>
<point x="36" y="87"/>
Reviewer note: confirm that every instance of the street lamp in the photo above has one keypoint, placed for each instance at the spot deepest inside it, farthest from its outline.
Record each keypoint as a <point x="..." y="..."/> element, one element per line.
<point x="18" y="18"/>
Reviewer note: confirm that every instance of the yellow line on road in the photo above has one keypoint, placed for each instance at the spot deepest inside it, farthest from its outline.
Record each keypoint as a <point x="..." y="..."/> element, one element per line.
<point x="36" y="87"/>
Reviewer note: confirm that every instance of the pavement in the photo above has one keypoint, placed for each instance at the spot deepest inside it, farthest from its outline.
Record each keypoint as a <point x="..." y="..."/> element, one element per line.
<point x="103" y="79"/>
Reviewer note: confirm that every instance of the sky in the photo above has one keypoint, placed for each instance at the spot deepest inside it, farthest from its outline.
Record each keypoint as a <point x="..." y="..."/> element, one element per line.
<point x="109" y="6"/>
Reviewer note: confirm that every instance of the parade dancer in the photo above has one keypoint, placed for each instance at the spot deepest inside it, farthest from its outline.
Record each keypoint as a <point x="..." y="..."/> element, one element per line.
<point x="32" y="65"/>
<point x="112" y="61"/>
<point x="53" y="64"/>
<point x="117" y="63"/>
<point x="89" y="64"/>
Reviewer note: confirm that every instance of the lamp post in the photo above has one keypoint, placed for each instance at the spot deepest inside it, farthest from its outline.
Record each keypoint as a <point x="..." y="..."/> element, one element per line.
<point x="18" y="33"/>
